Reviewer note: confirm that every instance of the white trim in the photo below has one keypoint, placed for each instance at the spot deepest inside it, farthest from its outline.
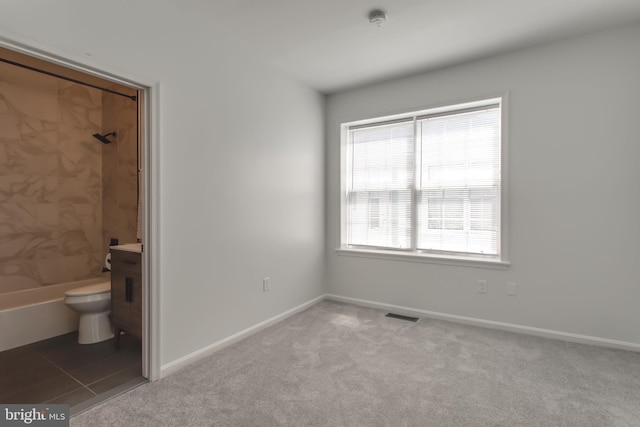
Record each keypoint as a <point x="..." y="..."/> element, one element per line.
<point x="428" y="258"/>
<point x="510" y="327"/>
<point x="151" y="176"/>
<point x="504" y="177"/>
<point x="184" y="361"/>
<point x="68" y="60"/>
<point x="151" y="221"/>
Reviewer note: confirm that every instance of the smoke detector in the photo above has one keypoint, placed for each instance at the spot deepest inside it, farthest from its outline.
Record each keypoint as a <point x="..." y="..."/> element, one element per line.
<point x="377" y="17"/>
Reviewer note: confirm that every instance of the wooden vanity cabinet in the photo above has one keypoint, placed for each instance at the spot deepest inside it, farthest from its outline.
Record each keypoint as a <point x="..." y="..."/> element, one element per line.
<point x="126" y="293"/>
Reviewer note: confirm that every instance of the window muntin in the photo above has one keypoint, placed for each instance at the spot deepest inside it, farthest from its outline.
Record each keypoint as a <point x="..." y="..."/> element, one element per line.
<point x="427" y="183"/>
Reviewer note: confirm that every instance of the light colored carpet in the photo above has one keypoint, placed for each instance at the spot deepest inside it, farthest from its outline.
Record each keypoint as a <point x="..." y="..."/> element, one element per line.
<point x="342" y="365"/>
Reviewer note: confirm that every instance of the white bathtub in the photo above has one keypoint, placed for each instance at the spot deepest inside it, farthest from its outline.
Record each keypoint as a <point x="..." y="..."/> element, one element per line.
<point x="36" y="314"/>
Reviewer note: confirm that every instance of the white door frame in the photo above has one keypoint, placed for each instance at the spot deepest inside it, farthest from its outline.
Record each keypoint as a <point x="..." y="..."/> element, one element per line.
<point x="150" y="139"/>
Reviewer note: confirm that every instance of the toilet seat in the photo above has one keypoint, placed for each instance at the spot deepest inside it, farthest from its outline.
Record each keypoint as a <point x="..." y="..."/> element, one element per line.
<point x="95" y="289"/>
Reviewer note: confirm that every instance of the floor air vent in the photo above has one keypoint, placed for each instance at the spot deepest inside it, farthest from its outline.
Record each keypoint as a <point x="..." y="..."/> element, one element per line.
<point x="401" y="317"/>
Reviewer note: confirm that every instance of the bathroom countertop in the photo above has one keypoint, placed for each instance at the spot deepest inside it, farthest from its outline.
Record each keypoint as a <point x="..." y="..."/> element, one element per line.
<point x="129" y="247"/>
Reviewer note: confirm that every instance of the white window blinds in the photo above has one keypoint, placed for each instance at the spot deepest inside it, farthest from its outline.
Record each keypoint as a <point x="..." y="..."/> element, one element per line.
<point x="459" y="187"/>
<point x="426" y="183"/>
<point x="380" y="185"/>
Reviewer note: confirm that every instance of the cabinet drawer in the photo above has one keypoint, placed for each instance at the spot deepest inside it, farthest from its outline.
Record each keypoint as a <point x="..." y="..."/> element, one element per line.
<point x="126" y="261"/>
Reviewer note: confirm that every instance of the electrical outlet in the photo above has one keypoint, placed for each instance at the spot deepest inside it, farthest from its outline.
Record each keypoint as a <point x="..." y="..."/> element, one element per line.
<point x="483" y="287"/>
<point x="512" y="289"/>
<point x="266" y="284"/>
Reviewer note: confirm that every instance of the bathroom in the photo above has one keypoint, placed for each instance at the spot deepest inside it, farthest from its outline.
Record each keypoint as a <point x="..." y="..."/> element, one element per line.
<point x="65" y="195"/>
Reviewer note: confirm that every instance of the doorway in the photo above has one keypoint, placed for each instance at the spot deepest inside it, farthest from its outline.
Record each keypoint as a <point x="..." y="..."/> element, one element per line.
<point x="74" y="224"/>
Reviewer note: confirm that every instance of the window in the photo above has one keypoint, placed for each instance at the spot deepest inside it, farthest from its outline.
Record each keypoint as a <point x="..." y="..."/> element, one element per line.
<point x="426" y="183"/>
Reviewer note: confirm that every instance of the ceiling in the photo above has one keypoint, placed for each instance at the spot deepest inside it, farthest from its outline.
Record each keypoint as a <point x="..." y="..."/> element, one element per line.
<point x="331" y="46"/>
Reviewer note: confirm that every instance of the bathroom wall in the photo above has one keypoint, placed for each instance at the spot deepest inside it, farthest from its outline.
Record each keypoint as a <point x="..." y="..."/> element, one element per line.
<point x="119" y="169"/>
<point x="50" y="180"/>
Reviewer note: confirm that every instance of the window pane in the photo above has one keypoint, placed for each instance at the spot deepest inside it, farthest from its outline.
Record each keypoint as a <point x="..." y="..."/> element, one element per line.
<point x="381" y="177"/>
<point x="484" y="213"/>
<point x="459" y="185"/>
<point x="381" y="219"/>
<point x="382" y="157"/>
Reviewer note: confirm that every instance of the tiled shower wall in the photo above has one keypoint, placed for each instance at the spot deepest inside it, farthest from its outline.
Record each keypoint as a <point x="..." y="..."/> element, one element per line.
<point x="120" y="169"/>
<point x="51" y="180"/>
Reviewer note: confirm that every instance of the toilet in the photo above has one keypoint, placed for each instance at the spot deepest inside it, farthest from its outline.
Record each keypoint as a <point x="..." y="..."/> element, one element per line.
<point x="93" y="302"/>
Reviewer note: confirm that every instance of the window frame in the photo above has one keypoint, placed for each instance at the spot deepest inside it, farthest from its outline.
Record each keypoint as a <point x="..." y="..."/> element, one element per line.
<point x="501" y="261"/>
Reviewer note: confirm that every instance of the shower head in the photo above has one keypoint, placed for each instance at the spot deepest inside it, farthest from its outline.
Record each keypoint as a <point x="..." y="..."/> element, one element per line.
<point x="103" y="138"/>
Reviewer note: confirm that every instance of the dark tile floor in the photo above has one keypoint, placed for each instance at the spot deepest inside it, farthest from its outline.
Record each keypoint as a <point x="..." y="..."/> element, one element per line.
<point x="59" y="370"/>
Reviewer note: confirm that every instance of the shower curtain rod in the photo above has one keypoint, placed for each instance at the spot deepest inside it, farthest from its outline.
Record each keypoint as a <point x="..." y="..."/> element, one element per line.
<point x="49" y="73"/>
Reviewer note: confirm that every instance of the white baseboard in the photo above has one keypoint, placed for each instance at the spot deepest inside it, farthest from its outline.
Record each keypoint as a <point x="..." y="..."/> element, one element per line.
<point x="527" y="330"/>
<point x="180" y="363"/>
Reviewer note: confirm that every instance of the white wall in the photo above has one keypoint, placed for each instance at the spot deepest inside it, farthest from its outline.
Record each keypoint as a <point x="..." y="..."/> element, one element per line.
<point x="241" y="161"/>
<point x="574" y="195"/>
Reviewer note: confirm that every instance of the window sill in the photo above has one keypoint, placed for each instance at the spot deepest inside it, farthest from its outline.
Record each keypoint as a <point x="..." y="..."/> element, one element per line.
<point x="427" y="258"/>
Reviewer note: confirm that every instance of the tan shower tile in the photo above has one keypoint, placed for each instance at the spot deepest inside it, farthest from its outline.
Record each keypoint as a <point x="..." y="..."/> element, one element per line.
<point x="79" y="152"/>
<point x="49" y="191"/>
<point x="31" y="125"/>
<point x="28" y="217"/>
<point x="74" y="242"/>
<point x="75" y="267"/>
<point x="94" y="237"/>
<point x="27" y="188"/>
<point x="47" y="268"/>
<point x="80" y="95"/>
<point x="110" y="193"/>
<point x="77" y="216"/>
<point x="4" y="157"/>
<point x="76" y="164"/>
<point x="9" y="123"/>
<point x="25" y="244"/>
<point x="128" y="171"/>
<point x="21" y="77"/>
<point x="4" y="107"/>
<point x="80" y="106"/>
<point x="50" y="181"/>
<point x="41" y="141"/>
<point x="85" y="188"/>
<point x="35" y="154"/>
<point x="47" y="216"/>
<point x="5" y="186"/>
<point x="40" y="103"/>
<point x="84" y="218"/>
<point x="127" y="195"/>
<point x="27" y="230"/>
<point x="78" y="144"/>
<point x="80" y="137"/>
<point x="69" y="218"/>
<point x="18" y="274"/>
<point x="127" y="145"/>
<point x="109" y="223"/>
<point x="126" y="230"/>
<point x="97" y="260"/>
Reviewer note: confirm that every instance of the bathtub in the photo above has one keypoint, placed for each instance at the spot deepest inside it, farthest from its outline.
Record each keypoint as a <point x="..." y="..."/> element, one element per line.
<point x="39" y="313"/>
